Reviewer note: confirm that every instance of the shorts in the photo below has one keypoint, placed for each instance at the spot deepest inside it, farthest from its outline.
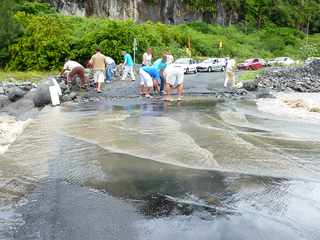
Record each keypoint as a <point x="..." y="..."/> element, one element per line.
<point x="99" y="76"/>
<point x="145" y="78"/>
<point x="174" y="76"/>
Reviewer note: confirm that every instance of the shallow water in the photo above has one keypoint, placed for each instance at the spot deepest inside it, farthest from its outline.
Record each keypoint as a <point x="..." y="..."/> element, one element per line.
<point x="200" y="169"/>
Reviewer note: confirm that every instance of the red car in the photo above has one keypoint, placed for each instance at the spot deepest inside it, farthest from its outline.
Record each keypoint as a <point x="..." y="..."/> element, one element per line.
<point x="251" y="64"/>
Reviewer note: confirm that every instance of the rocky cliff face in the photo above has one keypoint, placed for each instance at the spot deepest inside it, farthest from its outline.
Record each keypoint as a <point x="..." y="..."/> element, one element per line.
<point x="166" y="11"/>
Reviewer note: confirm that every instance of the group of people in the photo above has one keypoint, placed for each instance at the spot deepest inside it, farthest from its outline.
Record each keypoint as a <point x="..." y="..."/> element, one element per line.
<point x="156" y="78"/>
<point x="160" y="77"/>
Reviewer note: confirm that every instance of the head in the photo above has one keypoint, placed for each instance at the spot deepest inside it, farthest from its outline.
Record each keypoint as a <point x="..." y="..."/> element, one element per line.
<point x="149" y="50"/>
<point x="164" y="57"/>
<point x="123" y="52"/>
<point x="98" y="50"/>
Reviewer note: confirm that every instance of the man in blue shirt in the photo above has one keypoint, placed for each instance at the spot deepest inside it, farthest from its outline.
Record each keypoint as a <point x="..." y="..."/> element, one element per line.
<point x="149" y="78"/>
<point x="128" y="66"/>
<point x="161" y="64"/>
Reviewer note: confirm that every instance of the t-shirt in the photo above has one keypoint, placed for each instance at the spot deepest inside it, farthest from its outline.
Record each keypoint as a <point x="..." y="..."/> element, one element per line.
<point x="98" y="61"/>
<point x="230" y="65"/>
<point x="159" y="64"/>
<point x="152" y="71"/>
<point x="69" y="65"/>
<point x="109" y="60"/>
<point x="128" y="60"/>
<point x="147" y="59"/>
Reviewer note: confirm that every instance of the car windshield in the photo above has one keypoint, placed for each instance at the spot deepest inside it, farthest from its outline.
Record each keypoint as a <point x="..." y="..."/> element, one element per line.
<point x="183" y="61"/>
<point x="249" y="60"/>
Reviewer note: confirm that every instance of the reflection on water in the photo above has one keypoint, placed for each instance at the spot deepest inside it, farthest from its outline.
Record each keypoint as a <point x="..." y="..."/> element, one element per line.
<point x="199" y="169"/>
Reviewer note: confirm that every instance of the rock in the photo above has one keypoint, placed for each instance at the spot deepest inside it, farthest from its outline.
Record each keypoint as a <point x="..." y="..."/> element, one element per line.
<point x="264" y="93"/>
<point x="15" y="93"/>
<point x="66" y="98"/>
<point x="42" y="94"/>
<point x="300" y="79"/>
<point x="4" y="101"/>
<point x="73" y="95"/>
<point x="63" y="86"/>
<point x="250" y="85"/>
<point x="7" y="86"/>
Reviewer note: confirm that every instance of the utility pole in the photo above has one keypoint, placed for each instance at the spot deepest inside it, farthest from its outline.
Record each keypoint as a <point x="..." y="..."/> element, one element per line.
<point x="135" y="48"/>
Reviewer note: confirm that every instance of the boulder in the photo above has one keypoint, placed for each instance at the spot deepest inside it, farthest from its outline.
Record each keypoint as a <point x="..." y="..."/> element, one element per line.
<point x="250" y="85"/>
<point x="42" y="94"/>
<point x="15" y="93"/>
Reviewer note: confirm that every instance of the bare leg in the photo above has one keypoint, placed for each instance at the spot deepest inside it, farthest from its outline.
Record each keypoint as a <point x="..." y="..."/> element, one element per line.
<point x="98" y="87"/>
<point x="156" y="86"/>
<point x="142" y="92"/>
<point x="180" y="91"/>
<point x="148" y="91"/>
<point x="168" y="92"/>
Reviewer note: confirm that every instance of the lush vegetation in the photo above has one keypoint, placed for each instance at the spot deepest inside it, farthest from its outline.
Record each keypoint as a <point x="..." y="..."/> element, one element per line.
<point x="256" y="14"/>
<point x="49" y="38"/>
<point x="249" y="75"/>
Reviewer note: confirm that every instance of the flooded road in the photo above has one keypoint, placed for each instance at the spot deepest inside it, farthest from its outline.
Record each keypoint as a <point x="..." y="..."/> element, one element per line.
<point x="200" y="169"/>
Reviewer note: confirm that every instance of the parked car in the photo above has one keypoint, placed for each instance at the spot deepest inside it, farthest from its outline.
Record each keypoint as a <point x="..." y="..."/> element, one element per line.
<point x="280" y="61"/>
<point x="189" y="65"/>
<point x="251" y="64"/>
<point x="212" y="64"/>
<point x="310" y="60"/>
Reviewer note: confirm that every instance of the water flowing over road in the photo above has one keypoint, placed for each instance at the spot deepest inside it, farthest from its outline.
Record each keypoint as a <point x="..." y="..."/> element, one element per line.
<point x="199" y="169"/>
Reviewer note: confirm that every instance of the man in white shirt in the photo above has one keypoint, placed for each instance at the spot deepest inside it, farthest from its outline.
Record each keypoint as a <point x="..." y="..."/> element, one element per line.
<point x="110" y="68"/>
<point x="230" y="75"/>
<point x="73" y="70"/>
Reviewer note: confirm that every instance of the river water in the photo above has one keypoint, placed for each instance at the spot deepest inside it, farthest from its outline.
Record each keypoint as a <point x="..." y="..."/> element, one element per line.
<point x="200" y="169"/>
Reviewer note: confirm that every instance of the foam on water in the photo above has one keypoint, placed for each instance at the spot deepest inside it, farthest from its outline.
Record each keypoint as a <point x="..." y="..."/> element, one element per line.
<point x="10" y="129"/>
<point x="152" y="137"/>
<point x="297" y="106"/>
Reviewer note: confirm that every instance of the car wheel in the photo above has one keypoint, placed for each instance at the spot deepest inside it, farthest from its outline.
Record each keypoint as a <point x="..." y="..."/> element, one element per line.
<point x="187" y="70"/>
<point x="209" y="69"/>
<point x="223" y="69"/>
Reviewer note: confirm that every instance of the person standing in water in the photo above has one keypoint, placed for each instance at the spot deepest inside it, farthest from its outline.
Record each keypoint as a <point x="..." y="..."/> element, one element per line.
<point x="110" y="68"/>
<point x="174" y="80"/>
<point x="98" y="64"/>
<point x="230" y="74"/>
<point x="149" y="79"/>
<point x="160" y="65"/>
<point x="128" y="65"/>
<point x="147" y="58"/>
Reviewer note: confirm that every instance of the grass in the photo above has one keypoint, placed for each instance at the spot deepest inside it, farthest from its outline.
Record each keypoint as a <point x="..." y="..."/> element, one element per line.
<point x="32" y="76"/>
<point x="249" y="75"/>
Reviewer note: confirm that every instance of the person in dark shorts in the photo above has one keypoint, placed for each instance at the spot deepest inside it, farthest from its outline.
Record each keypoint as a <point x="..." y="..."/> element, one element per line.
<point x="73" y="70"/>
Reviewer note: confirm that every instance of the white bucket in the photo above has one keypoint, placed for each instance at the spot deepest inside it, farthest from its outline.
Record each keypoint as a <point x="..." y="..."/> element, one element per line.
<point x="54" y="94"/>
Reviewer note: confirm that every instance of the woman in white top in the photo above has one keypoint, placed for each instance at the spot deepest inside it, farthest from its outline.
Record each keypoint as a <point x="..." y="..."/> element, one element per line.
<point x="147" y="58"/>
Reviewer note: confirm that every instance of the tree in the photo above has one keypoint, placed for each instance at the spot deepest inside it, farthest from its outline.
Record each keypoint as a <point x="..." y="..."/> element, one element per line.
<point x="10" y="29"/>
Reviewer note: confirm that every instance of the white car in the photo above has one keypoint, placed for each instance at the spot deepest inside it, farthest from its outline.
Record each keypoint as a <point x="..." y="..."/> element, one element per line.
<point x="189" y="65"/>
<point x="212" y="64"/>
<point x="281" y="61"/>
